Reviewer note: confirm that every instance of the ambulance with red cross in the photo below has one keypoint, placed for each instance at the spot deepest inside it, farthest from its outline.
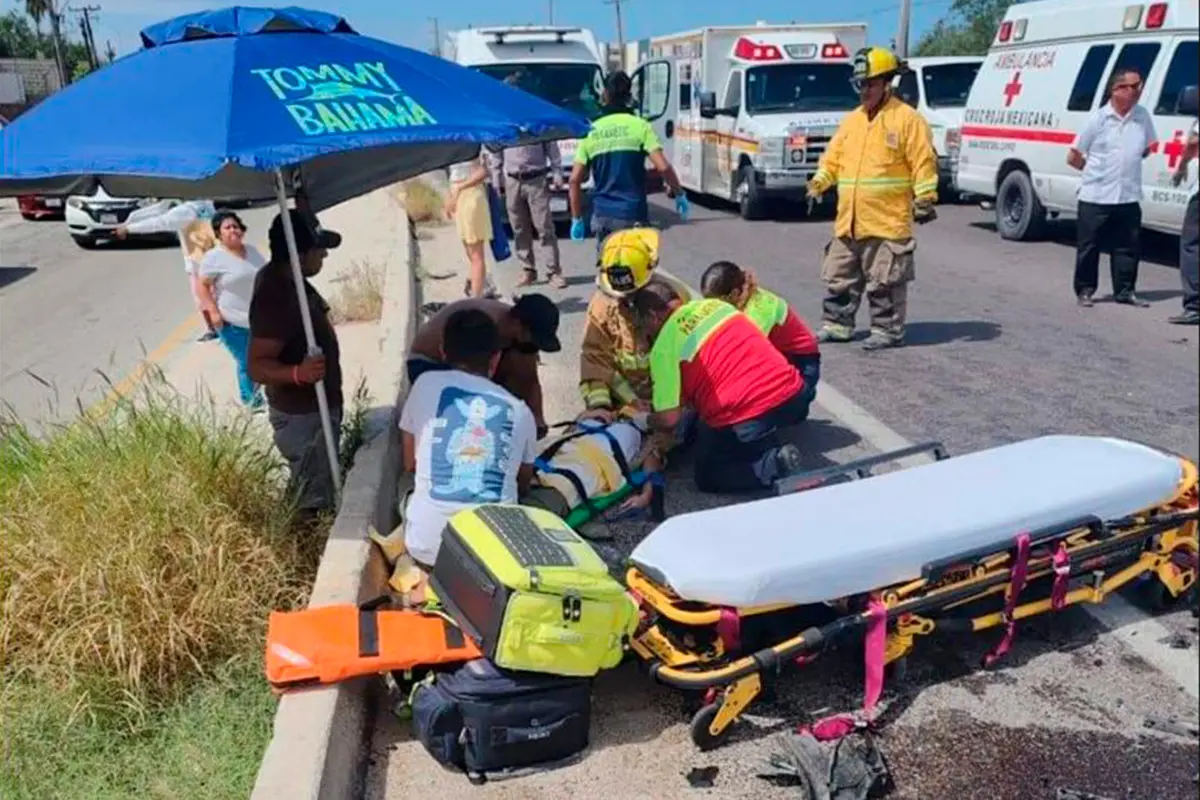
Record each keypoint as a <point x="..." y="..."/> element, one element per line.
<point x="744" y="113"/>
<point x="1048" y="69"/>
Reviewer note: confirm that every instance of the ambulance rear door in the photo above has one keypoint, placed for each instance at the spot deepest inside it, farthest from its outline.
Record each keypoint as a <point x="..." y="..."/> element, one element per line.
<point x="1178" y="67"/>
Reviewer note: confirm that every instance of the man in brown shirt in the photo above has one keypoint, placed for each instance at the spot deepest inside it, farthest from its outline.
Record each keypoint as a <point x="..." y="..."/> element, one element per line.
<point x="528" y="327"/>
<point x="279" y="359"/>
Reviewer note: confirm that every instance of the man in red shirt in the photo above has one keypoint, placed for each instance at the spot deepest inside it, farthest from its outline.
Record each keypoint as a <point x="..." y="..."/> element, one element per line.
<point x="713" y="358"/>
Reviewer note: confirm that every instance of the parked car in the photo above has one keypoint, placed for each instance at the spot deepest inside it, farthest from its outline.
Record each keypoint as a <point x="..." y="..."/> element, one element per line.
<point x="93" y="218"/>
<point x="40" y="206"/>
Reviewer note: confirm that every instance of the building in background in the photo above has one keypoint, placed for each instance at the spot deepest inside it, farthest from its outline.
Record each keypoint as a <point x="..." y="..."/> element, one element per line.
<point x="25" y="82"/>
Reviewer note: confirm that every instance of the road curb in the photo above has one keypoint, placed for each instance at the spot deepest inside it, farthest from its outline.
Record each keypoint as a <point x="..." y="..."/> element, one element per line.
<point x="318" y="749"/>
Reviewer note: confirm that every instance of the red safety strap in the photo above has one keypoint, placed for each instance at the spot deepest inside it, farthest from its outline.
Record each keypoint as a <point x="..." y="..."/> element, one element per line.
<point x="729" y="629"/>
<point x="1062" y="575"/>
<point x="875" y="650"/>
<point x="1020" y="569"/>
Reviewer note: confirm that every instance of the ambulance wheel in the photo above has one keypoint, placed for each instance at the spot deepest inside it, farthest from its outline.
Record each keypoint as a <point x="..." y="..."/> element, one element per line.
<point x="1019" y="213"/>
<point x="747" y="194"/>
<point x="702" y="737"/>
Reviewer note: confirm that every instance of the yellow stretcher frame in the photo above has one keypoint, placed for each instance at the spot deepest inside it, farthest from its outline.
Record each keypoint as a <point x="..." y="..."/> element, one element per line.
<point x="1101" y="550"/>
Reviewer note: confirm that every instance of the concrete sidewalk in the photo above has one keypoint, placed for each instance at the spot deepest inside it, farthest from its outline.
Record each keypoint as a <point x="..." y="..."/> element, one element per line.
<point x="954" y="728"/>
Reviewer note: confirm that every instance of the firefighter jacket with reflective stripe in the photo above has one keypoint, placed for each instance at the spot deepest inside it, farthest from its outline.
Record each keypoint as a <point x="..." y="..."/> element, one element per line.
<point x="614" y="364"/>
<point x="879" y="167"/>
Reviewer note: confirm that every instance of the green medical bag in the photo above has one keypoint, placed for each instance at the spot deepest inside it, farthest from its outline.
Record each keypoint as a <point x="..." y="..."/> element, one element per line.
<point x="531" y="593"/>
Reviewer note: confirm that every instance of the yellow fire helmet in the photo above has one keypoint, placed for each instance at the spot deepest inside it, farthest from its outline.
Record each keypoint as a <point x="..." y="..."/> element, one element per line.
<point x="875" y="62"/>
<point x="627" y="260"/>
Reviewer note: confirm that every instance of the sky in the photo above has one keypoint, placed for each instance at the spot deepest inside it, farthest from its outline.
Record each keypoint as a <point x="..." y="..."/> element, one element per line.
<point x="411" y="23"/>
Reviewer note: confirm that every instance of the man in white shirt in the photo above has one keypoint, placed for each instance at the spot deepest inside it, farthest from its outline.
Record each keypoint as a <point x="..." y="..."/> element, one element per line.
<point x="1189" y="239"/>
<point x="1110" y="150"/>
<point x="468" y="440"/>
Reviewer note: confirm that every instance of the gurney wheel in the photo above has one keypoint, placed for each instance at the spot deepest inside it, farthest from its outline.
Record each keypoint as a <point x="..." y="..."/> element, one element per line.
<point x="702" y="737"/>
<point x="1161" y="599"/>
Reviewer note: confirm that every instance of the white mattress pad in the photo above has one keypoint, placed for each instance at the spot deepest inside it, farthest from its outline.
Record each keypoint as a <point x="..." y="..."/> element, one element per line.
<point x="847" y="538"/>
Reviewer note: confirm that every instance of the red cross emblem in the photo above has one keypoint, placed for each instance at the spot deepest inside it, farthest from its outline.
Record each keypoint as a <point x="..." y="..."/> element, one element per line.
<point x="1012" y="89"/>
<point x="1173" y="149"/>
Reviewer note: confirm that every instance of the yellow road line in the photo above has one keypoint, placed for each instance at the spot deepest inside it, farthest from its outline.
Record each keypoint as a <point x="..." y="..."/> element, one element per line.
<point x="175" y="338"/>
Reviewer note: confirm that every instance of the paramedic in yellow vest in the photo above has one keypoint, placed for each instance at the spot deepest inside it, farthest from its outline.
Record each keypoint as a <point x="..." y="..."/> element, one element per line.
<point x="884" y="166"/>
<point x="614" y="363"/>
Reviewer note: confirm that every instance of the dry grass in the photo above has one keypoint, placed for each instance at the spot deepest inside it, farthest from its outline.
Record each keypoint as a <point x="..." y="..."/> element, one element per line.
<point x="142" y="551"/>
<point x="359" y="296"/>
<point x="423" y="202"/>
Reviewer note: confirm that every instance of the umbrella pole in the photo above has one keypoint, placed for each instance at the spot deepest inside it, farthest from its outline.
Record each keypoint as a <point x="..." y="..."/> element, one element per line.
<point x="289" y="233"/>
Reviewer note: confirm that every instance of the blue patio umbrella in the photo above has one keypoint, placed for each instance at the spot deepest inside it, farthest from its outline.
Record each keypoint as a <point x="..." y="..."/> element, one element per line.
<point x="249" y="103"/>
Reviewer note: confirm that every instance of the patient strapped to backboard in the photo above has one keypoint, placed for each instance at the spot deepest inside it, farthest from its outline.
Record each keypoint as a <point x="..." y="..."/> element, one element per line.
<point x="589" y="469"/>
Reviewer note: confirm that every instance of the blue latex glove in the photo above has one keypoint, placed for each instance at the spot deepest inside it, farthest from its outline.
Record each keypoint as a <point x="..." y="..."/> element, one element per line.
<point x="681" y="205"/>
<point x="577" y="229"/>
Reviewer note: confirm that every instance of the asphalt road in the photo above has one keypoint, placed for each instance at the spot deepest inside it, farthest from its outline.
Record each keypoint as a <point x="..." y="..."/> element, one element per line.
<point x="1067" y="708"/>
<point x="997" y="349"/>
<point x="73" y="322"/>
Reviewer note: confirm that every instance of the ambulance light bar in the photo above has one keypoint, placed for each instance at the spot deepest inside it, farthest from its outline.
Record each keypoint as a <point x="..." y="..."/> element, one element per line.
<point x="1013" y="29"/>
<point x="1156" y="15"/>
<point x="747" y="50"/>
<point x="801" y="51"/>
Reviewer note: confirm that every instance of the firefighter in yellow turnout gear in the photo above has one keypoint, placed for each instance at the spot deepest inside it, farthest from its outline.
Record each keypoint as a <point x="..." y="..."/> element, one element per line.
<point x="614" y="364"/>
<point x="884" y="166"/>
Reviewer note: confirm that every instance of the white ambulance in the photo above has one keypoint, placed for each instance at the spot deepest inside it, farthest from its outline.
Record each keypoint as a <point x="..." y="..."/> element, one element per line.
<point x="562" y="65"/>
<point x="938" y="87"/>
<point x="744" y="113"/>
<point x="1047" y="70"/>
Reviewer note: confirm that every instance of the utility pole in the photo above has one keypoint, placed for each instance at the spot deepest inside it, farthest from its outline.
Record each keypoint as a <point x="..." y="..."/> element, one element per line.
<point x="437" y="38"/>
<point x="616" y="4"/>
<point x="56" y="35"/>
<point x="550" y="11"/>
<point x="902" y="36"/>
<point x="89" y="39"/>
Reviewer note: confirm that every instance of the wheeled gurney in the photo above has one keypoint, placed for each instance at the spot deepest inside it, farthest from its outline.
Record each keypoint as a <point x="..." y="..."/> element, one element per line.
<point x="1034" y="526"/>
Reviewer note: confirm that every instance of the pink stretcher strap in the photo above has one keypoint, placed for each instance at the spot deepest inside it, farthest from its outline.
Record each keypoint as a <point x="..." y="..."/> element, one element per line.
<point x="1020" y="570"/>
<point x="729" y="629"/>
<point x="1062" y="575"/>
<point x="875" y="650"/>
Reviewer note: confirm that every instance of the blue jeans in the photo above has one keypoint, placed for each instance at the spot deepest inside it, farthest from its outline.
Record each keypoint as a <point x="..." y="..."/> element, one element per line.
<point x="237" y="341"/>
<point x="741" y="457"/>
<point x="602" y="226"/>
<point x="810" y="370"/>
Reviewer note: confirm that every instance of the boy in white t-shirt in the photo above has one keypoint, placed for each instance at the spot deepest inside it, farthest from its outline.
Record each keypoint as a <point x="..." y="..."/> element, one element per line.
<point x="468" y="440"/>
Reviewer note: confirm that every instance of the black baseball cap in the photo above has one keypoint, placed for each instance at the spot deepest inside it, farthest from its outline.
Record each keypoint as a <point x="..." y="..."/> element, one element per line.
<point x="539" y="314"/>
<point x="309" y="233"/>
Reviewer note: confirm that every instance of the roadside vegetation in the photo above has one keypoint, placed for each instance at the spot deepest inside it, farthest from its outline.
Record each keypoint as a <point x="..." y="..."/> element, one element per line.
<point x="359" y="296"/>
<point x="424" y="203"/>
<point x="143" y="551"/>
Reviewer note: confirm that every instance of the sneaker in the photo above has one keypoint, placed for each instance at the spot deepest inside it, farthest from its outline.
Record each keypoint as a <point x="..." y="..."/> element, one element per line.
<point x="1130" y="299"/>
<point x="1084" y="300"/>
<point x="828" y="335"/>
<point x="788" y="461"/>
<point x="557" y="281"/>
<point x="881" y="341"/>
<point x="528" y="278"/>
<point x="207" y="336"/>
<point x="1186" y="318"/>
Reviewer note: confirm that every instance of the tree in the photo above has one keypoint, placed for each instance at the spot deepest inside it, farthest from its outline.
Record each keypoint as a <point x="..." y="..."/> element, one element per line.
<point x="19" y="39"/>
<point x="968" y="30"/>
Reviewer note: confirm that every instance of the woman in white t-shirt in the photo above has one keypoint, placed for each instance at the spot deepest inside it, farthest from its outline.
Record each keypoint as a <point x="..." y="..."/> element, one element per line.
<point x="227" y="274"/>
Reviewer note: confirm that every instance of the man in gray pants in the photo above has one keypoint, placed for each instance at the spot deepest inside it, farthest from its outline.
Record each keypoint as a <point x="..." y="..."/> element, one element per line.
<point x="1189" y="240"/>
<point x="526" y="174"/>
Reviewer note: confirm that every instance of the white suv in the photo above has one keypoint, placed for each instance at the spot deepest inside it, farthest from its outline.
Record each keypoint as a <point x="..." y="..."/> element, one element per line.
<point x="95" y="217"/>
